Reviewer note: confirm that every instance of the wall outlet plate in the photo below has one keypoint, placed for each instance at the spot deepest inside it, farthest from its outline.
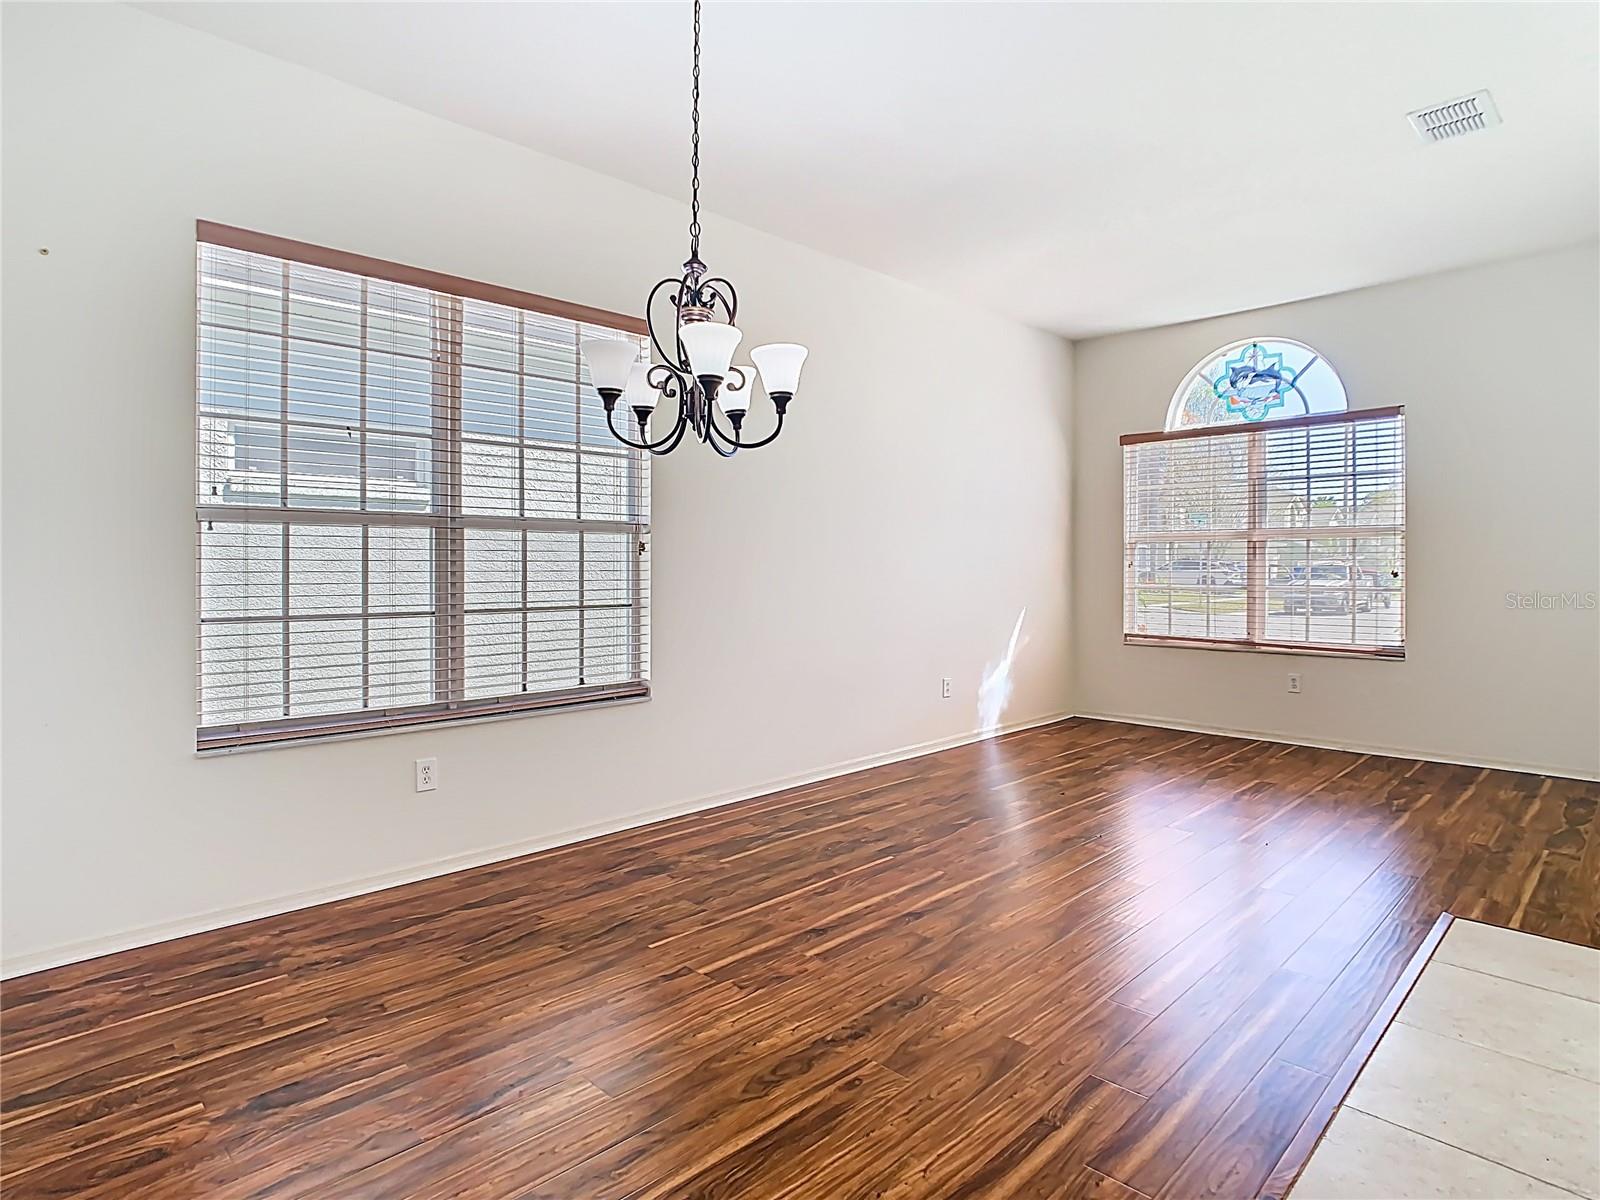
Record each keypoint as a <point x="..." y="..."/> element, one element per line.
<point x="427" y="774"/>
<point x="944" y="687"/>
<point x="1294" y="682"/>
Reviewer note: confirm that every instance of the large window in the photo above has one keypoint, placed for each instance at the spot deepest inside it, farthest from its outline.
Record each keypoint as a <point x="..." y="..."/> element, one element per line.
<point x="1248" y="528"/>
<point x="409" y="508"/>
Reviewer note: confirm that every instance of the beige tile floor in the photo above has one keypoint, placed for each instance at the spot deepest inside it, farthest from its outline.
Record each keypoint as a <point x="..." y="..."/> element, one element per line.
<point x="1485" y="1087"/>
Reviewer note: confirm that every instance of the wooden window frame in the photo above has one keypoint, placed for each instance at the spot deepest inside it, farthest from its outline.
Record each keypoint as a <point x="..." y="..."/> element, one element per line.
<point x="249" y="240"/>
<point x="1257" y="535"/>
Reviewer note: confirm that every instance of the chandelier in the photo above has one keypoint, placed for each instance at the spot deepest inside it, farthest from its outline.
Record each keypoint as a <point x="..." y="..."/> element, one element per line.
<point x="695" y="367"/>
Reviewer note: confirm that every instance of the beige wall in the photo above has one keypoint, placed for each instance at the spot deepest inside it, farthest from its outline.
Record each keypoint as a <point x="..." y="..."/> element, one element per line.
<point x="808" y="597"/>
<point x="1496" y="368"/>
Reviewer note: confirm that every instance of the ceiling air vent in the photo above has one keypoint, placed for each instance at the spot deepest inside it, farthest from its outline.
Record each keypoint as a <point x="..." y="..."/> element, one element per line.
<point x="1455" y="118"/>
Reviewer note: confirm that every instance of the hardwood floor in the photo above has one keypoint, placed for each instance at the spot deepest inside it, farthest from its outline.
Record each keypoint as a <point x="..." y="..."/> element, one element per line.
<point x="1086" y="960"/>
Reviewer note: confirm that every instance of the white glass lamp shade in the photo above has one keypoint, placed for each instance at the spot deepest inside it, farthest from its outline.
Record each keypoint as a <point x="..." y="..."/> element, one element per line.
<point x="733" y="401"/>
<point x="639" y="393"/>
<point x="779" y="364"/>
<point x="609" y="361"/>
<point x="710" y="345"/>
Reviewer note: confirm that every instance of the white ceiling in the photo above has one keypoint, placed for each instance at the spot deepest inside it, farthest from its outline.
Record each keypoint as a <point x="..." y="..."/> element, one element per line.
<point x="1083" y="167"/>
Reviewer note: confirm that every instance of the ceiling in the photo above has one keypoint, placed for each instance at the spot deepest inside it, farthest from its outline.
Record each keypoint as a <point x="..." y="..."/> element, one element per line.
<point x="1082" y="167"/>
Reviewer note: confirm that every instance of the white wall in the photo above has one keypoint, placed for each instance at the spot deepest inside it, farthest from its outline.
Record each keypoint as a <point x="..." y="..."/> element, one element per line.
<point x="1496" y="368"/>
<point x="808" y="597"/>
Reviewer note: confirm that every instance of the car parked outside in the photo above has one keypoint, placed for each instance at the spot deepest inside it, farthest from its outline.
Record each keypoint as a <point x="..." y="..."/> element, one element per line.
<point x="1195" y="572"/>
<point x="1328" y="587"/>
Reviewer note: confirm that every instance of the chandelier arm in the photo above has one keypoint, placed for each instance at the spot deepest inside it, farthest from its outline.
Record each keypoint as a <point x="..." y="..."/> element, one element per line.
<point x="715" y="438"/>
<point x="671" y="388"/>
<point x="734" y="441"/>
<point x="679" y="430"/>
<point x="611" y="424"/>
<point x="649" y="319"/>
<point x="672" y="382"/>
<point x="766" y="441"/>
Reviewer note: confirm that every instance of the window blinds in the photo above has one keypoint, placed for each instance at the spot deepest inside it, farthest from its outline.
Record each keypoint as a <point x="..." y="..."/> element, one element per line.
<point x="1284" y="535"/>
<point x="409" y="508"/>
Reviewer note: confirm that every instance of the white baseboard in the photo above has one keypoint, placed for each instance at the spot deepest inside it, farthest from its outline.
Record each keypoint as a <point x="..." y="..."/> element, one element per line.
<point x="1294" y="739"/>
<point x="25" y="964"/>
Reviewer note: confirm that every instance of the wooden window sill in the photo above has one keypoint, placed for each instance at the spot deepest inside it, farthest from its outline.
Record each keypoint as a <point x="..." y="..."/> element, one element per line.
<point x="1384" y="654"/>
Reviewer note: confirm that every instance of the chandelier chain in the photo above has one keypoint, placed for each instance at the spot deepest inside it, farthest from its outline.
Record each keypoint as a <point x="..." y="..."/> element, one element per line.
<point x="694" y="143"/>
<point x="692" y="358"/>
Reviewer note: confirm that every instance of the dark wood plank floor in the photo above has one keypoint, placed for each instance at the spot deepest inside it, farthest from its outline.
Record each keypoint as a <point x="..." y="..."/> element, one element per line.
<point x="1087" y="960"/>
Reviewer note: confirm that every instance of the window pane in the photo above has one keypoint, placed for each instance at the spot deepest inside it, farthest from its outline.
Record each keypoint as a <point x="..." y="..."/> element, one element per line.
<point x="241" y="569"/>
<point x="489" y="485"/>
<point x="1222" y="588"/>
<point x="1334" y="475"/>
<point x="493" y="654"/>
<point x="1190" y="589"/>
<point x="241" y="462"/>
<point x="610" y="487"/>
<point x="1288" y="591"/>
<point x="239" y="290"/>
<point x="1336" y="591"/>
<point x="400" y="661"/>
<point x="325" y="569"/>
<point x="399" y="319"/>
<point x="488" y="403"/>
<point x="551" y="480"/>
<point x="325" y="383"/>
<point x="607" y="645"/>
<point x="399" y="392"/>
<point x="1380" y="609"/>
<point x="324" y="467"/>
<point x="325" y="666"/>
<point x="607" y="568"/>
<point x="400" y="569"/>
<point x="550" y="408"/>
<point x="399" y="474"/>
<point x="550" y="346"/>
<point x="240" y="371"/>
<point x="489" y="335"/>
<point x="1195" y="484"/>
<point x="325" y="305"/>
<point x="241" y="672"/>
<point x="553" y="658"/>
<point x="552" y="568"/>
<point x="494" y="568"/>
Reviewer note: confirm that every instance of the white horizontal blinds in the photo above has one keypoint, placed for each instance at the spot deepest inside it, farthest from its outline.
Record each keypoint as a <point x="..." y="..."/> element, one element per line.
<point x="1279" y="534"/>
<point x="400" y="514"/>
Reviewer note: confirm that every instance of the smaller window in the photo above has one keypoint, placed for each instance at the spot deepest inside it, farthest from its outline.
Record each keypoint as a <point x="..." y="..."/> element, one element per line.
<point x="1258" y="379"/>
<point x="1266" y="516"/>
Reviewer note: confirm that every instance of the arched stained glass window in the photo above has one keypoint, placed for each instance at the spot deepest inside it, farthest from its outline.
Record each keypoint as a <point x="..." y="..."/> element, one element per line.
<point x="1260" y="379"/>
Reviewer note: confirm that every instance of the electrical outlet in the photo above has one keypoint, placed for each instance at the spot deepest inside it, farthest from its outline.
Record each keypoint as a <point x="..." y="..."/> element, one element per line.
<point x="1294" y="683"/>
<point x="427" y="774"/>
<point x="944" y="687"/>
